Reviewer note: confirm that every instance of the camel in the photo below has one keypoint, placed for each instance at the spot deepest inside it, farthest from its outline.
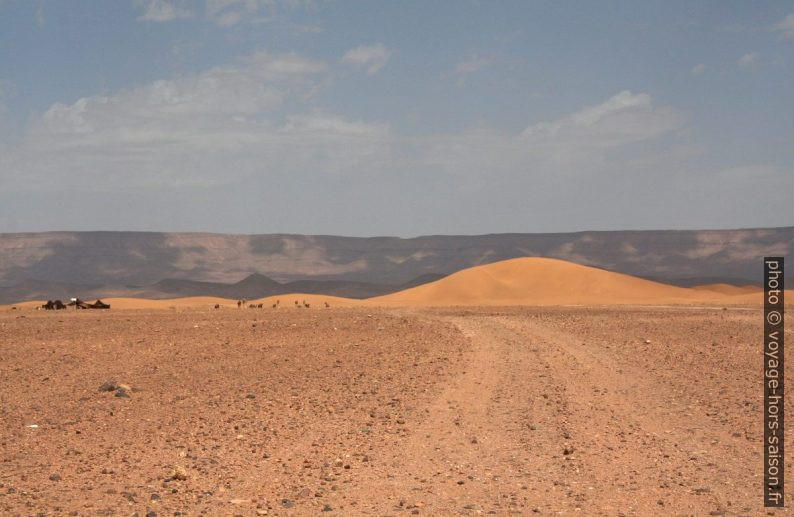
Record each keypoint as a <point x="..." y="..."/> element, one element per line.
<point x="326" y="305"/>
<point x="217" y="305"/>
<point x="305" y="304"/>
<point x="98" y="304"/>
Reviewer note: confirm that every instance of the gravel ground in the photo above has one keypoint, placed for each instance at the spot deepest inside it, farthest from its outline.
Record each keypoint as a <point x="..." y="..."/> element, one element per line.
<point x="476" y="411"/>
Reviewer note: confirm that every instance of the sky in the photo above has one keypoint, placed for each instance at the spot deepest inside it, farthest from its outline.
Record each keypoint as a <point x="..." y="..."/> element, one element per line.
<point x="395" y="118"/>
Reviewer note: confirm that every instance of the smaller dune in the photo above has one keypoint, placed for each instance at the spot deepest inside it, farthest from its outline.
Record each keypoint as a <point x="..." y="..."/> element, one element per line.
<point x="728" y="289"/>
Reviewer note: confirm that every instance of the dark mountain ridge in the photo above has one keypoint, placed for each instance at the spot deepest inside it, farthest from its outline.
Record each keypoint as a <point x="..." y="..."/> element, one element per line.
<point x="109" y="263"/>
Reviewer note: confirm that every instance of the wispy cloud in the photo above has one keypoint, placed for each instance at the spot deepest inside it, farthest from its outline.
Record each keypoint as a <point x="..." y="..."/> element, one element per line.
<point x="747" y="60"/>
<point x="785" y="28"/>
<point x="372" y="57"/>
<point x="161" y="10"/>
<point x="183" y="132"/>
<point x="471" y="65"/>
<point x="227" y="13"/>
<point x="698" y="69"/>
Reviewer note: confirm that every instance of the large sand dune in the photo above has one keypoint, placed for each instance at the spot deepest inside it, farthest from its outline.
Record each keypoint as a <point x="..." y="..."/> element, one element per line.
<point x="545" y="281"/>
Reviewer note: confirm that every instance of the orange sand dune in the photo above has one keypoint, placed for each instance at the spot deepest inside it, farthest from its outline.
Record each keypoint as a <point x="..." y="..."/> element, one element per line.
<point x="543" y="281"/>
<point x="728" y="289"/>
<point x="287" y="301"/>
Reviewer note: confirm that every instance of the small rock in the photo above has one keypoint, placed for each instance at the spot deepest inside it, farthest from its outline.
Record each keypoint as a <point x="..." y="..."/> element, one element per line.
<point x="150" y="513"/>
<point x="178" y="473"/>
<point x="155" y="497"/>
<point x="110" y="385"/>
<point x="286" y="503"/>
<point x="55" y="477"/>
<point x="122" y="394"/>
<point x="327" y="508"/>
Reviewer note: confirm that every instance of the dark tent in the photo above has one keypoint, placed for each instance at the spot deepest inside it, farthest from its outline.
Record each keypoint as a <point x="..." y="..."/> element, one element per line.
<point x="99" y="304"/>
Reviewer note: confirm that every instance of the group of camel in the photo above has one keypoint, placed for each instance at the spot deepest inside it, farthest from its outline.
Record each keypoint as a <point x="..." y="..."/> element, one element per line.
<point x="241" y="303"/>
<point x="77" y="303"/>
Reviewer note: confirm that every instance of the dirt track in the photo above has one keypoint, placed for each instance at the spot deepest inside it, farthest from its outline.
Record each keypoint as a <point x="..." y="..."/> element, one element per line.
<point x="515" y="411"/>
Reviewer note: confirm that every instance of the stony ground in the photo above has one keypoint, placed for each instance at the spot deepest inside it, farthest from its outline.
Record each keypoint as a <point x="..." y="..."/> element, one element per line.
<point x="519" y="411"/>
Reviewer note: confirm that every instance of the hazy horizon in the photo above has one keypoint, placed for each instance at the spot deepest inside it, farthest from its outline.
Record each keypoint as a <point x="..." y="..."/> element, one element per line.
<point x="406" y="119"/>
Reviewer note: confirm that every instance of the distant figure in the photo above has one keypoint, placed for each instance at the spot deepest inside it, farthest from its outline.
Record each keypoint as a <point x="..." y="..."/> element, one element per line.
<point x="326" y="305"/>
<point x="252" y="306"/>
<point x="296" y="305"/>
<point x="305" y="304"/>
<point x="275" y="305"/>
<point x="217" y="305"/>
<point x="239" y="303"/>
<point x="76" y="302"/>
<point x="259" y="305"/>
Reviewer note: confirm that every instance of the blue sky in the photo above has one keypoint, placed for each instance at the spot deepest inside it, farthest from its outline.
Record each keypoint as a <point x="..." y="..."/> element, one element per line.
<point x="395" y="118"/>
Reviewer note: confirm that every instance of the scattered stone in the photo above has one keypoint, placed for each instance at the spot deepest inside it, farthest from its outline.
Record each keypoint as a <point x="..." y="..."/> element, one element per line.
<point x="110" y="385"/>
<point x="150" y="513"/>
<point x="567" y="451"/>
<point x="327" y="508"/>
<point x="178" y="473"/>
<point x="55" y="477"/>
<point x="286" y="503"/>
<point x="122" y="394"/>
<point x="155" y="497"/>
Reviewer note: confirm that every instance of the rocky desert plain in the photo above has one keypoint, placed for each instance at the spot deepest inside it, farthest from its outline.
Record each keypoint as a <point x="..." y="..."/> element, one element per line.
<point x="524" y="387"/>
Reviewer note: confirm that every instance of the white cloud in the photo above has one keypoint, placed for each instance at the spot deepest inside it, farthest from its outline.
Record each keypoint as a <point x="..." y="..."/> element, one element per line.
<point x="231" y="12"/>
<point x="161" y="10"/>
<point x="472" y="65"/>
<point x="250" y="123"/>
<point x="747" y="60"/>
<point x="373" y="57"/>
<point x="698" y="69"/>
<point x="211" y="128"/>
<point x="785" y="28"/>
